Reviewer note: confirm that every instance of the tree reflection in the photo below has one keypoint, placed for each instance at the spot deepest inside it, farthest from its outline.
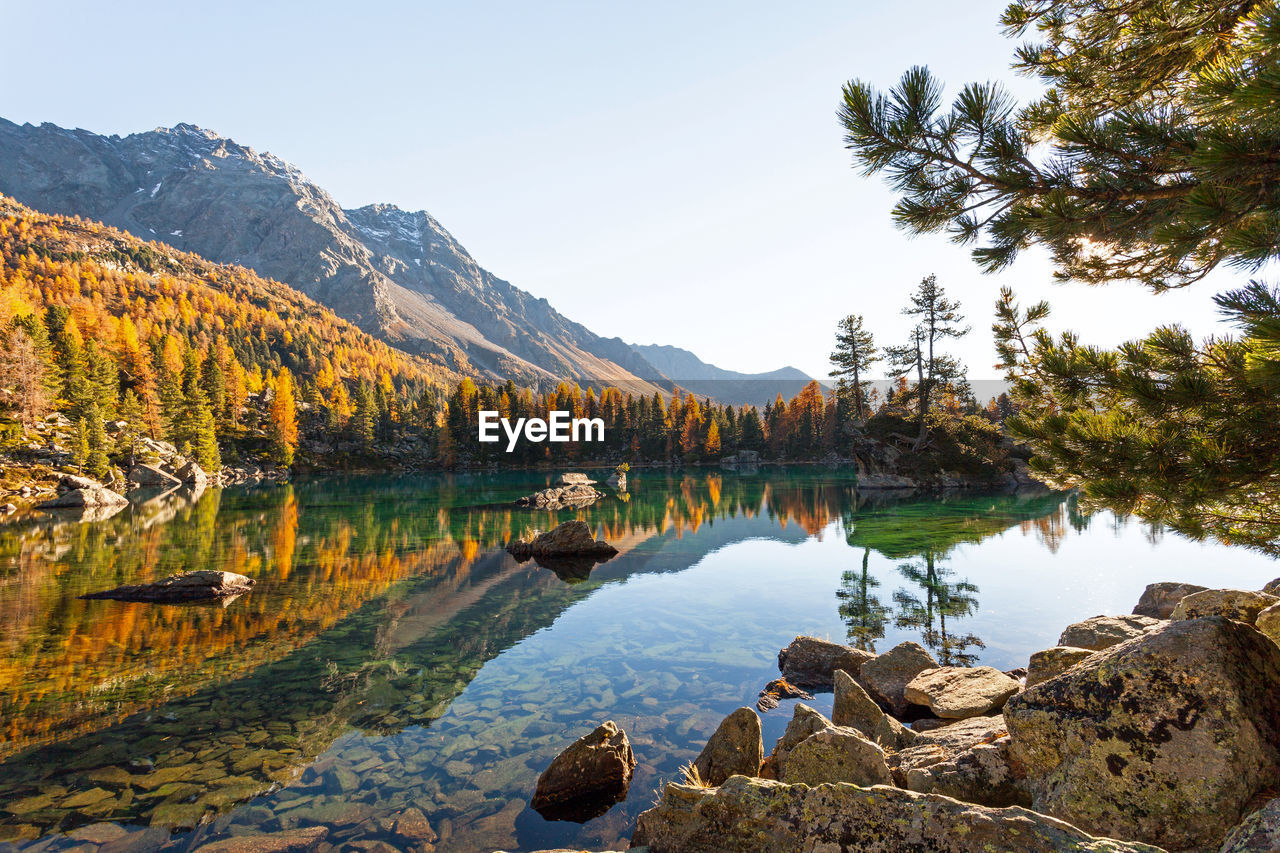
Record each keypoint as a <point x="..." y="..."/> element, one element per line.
<point x="863" y="614"/>
<point x="928" y="612"/>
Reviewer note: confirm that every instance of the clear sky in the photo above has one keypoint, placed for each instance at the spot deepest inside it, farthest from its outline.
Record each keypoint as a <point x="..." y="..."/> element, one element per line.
<point x="667" y="172"/>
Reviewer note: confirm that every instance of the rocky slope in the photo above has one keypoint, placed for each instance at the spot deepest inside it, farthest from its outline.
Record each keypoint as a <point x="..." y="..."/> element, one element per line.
<point x="397" y="274"/>
<point x="727" y="386"/>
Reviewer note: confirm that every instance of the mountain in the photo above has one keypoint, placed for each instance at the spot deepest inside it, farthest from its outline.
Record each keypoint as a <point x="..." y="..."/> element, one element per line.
<point x="396" y="274"/>
<point x="728" y="386"/>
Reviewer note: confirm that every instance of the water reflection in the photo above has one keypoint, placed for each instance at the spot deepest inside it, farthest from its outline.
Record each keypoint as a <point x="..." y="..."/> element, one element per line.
<point x="392" y="656"/>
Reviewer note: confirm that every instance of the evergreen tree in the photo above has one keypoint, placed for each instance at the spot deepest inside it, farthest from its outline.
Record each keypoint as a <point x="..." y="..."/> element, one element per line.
<point x="80" y="445"/>
<point x="133" y="414"/>
<point x="855" y="352"/>
<point x="96" y="442"/>
<point x="366" y="417"/>
<point x="937" y="318"/>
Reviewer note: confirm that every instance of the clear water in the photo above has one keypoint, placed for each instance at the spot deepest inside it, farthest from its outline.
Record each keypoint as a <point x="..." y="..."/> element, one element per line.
<point x="393" y="656"/>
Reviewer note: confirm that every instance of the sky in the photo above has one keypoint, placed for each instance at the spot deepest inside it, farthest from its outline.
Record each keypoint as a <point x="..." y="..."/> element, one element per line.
<point x="666" y="172"/>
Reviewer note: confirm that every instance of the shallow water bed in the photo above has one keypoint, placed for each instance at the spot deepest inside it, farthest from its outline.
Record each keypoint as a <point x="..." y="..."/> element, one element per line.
<point x="394" y="662"/>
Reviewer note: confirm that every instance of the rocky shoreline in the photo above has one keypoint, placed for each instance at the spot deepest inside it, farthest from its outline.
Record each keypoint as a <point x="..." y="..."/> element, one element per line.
<point x="1157" y="730"/>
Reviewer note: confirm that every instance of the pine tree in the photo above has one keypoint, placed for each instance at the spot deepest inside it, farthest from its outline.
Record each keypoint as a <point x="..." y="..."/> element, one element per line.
<point x="365" y="419"/>
<point x="855" y="352"/>
<point x="96" y="442"/>
<point x="80" y="445"/>
<point x="937" y="318"/>
<point x="133" y="414"/>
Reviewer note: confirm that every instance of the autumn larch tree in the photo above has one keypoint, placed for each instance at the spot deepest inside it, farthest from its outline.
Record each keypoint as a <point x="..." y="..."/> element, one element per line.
<point x="282" y="422"/>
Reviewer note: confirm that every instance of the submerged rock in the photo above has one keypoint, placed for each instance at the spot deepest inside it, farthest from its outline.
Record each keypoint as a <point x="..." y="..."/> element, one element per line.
<point x="588" y="777"/>
<point x="886" y="677"/>
<point x="759" y="816"/>
<point x="957" y="693"/>
<point x="811" y="662"/>
<point x="1050" y="662"/>
<point x="1102" y="632"/>
<point x="735" y="748"/>
<point x="1240" y="604"/>
<point x="1164" y="738"/>
<point x="854" y="708"/>
<point x="1159" y="599"/>
<point x="289" y="841"/>
<point x="203" y="585"/>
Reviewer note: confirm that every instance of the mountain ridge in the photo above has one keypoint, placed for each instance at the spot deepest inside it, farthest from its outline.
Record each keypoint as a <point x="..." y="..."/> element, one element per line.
<point x="397" y="274"/>
<point x="730" y="386"/>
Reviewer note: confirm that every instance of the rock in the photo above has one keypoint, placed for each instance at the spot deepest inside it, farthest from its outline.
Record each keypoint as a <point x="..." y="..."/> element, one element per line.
<point x="855" y="709"/>
<point x="1272" y="587"/>
<point x="886" y="677"/>
<point x="1050" y="662"/>
<point x="759" y="816"/>
<point x="805" y="721"/>
<point x="811" y="662"/>
<point x="592" y="772"/>
<point x="412" y="825"/>
<point x="982" y="774"/>
<point x="1268" y="622"/>
<point x="944" y="744"/>
<point x="290" y="841"/>
<point x="560" y="497"/>
<point x="570" y="539"/>
<point x="957" y="692"/>
<point x="71" y="481"/>
<point x="1101" y="632"/>
<point x="777" y="689"/>
<point x="574" y="480"/>
<point x="202" y="585"/>
<point x="192" y="473"/>
<point x="97" y="496"/>
<point x="1159" y="599"/>
<point x="735" y="748"/>
<point x="1257" y="833"/>
<point x="835" y="754"/>
<point x="1239" y="604"/>
<point x="1164" y="738"/>
<point x="152" y="475"/>
<point x="618" y="481"/>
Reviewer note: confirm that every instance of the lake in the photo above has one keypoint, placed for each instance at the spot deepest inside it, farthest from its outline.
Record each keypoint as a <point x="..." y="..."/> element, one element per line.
<point x="393" y="657"/>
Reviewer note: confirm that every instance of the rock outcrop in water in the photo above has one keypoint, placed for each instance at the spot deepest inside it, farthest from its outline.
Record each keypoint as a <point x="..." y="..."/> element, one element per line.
<point x="588" y="777"/>
<point x="811" y="662"/>
<point x="561" y="497"/>
<point x="203" y="585"/>
<point x="569" y="539"/>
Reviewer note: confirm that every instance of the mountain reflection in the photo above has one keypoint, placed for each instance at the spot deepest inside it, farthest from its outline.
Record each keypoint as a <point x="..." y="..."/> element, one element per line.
<point x="377" y="603"/>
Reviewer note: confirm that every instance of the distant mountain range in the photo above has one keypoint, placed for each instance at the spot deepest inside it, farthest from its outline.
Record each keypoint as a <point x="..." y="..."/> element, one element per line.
<point x="396" y="274"/>
<point x="728" y="386"/>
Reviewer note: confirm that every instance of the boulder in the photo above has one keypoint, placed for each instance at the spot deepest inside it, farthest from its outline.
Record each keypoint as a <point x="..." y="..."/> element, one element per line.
<point x="1268" y="622"/>
<point x="957" y="692"/>
<point x="735" y="748"/>
<point x="152" y="475"/>
<point x="855" y="709"/>
<point x="72" y="481"/>
<point x="1159" y="599"/>
<point x="192" y="473"/>
<point x="805" y="721"/>
<point x="982" y="774"/>
<point x="760" y="816"/>
<point x="886" y="677"/>
<point x="835" y="754"/>
<point x="1050" y="662"/>
<point x="585" y="779"/>
<point x="1164" y="738"/>
<point x="203" y="585"/>
<point x="1272" y="587"/>
<point x="570" y="539"/>
<point x="288" y="841"/>
<point x="574" y="480"/>
<point x="1258" y="833"/>
<point x="944" y="744"/>
<point x="1102" y="632"/>
<point x="1239" y="604"/>
<point x="81" y="498"/>
<point x="811" y="662"/>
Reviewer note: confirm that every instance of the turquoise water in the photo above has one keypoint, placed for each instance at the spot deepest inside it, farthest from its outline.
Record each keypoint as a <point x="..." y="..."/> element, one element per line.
<point x="394" y="657"/>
